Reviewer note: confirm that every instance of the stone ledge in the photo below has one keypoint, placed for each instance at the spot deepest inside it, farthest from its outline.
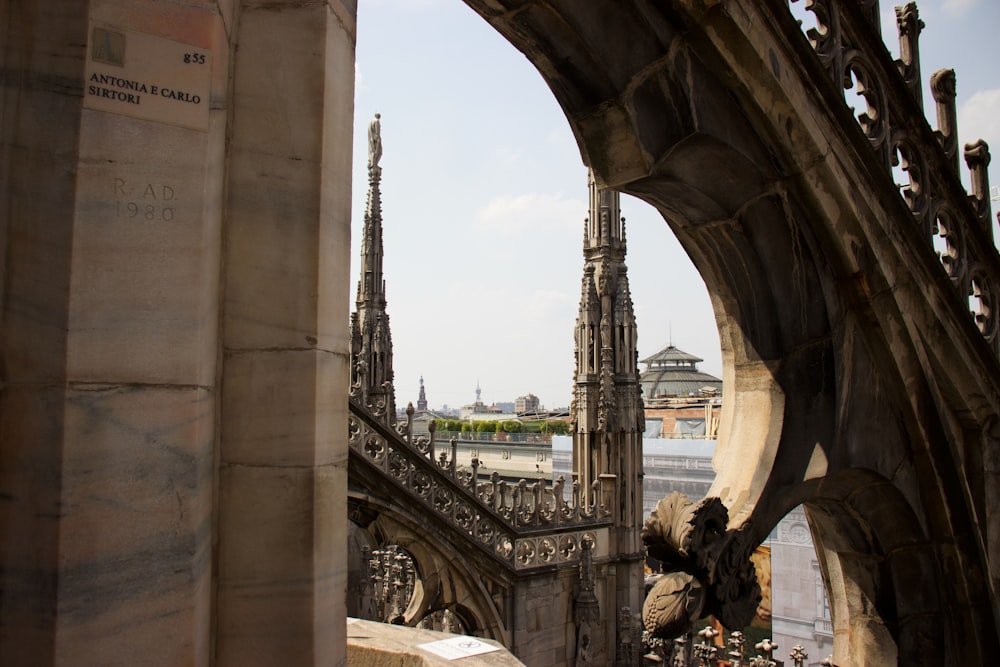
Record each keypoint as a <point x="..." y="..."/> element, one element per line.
<point x="371" y="644"/>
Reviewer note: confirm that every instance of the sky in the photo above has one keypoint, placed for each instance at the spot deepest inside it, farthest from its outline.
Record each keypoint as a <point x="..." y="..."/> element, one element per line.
<point x="484" y="194"/>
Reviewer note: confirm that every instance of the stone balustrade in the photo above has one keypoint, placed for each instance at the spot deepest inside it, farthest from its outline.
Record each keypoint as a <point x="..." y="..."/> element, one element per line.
<point x="524" y="525"/>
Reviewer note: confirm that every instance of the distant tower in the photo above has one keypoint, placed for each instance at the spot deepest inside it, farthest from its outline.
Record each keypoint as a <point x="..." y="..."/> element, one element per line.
<point x="479" y="393"/>
<point x="371" y="340"/>
<point x="607" y="405"/>
<point x="422" y="397"/>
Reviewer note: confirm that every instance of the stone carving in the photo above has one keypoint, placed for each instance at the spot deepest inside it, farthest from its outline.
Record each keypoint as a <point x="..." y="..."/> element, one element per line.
<point x="909" y="25"/>
<point x="673" y="604"/>
<point x="708" y="567"/>
<point x="706" y="650"/>
<point x="683" y="652"/>
<point x="586" y="609"/>
<point x="374" y="143"/>
<point x="899" y="138"/>
<point x="493" y="514"/>
<point x="765" y="656"/>
<point x="371" y="337"/>
<point x="629" y="643"/>
<point x="736" y="645"/>
<point x="392" y="576"/>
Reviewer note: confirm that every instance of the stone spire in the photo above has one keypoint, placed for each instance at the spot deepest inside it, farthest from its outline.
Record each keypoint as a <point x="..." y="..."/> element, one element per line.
<point x="606" y="399"/>
<point x="422" y="397"/>
<point x="607" y="405"/>
<point x="371" y="339"/>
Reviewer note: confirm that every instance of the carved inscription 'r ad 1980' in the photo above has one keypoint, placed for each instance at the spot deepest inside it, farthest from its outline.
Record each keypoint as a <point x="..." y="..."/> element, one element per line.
<point x="144" y="202"/>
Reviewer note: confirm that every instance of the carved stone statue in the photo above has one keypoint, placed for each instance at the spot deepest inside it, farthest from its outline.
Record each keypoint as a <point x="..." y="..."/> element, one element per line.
<point x="374" y="142"/>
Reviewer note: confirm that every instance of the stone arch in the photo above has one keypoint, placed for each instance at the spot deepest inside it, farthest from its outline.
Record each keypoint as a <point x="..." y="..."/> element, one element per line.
<point x="452" y="618"/>
<point x="708" y="114"/>
<point x="879" y="567"/>
<point x="447" y="578"/>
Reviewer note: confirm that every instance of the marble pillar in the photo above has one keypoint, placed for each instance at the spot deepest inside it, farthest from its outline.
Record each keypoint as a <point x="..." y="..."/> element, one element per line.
<point x="175" y="188"/>
<point x="283" y="457"/>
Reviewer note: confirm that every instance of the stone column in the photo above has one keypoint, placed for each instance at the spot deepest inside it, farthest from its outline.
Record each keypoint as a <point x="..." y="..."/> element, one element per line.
<point x="282" y="471"/>
<point x="178" y="190"/>
<point x="111" y="245"/>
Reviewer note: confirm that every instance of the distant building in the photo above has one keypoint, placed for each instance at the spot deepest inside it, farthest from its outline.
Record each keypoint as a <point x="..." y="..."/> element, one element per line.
<point x="679" y="400"/>
<point x="422" y="396"/>
<point x="480" y="410"/>
<point x="422" y="420"/>
<point x="527" y="403"/>
<point x="800" y="608"/>
<point x="673" y="373"/>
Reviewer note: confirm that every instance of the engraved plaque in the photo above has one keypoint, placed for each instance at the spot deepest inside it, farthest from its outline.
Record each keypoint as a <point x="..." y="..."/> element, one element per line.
<point x="143" y="76"/>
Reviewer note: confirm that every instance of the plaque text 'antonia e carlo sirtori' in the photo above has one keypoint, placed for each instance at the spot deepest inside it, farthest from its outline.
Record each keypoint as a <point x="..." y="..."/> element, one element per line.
<point x="152" y="78"/>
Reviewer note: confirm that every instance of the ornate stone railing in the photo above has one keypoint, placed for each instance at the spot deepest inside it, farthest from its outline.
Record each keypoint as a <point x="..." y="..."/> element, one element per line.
<point x="524" y="525"/>
<point x="847" y="40"/>
<point x="709" y="651"/>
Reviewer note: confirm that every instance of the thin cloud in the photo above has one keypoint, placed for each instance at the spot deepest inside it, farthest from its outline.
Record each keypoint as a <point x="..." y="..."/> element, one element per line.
<point x="979" y="118"/>
<point x="958" y="7"/>
<point x="549" y="304"/>
<point x="507" y="215"/>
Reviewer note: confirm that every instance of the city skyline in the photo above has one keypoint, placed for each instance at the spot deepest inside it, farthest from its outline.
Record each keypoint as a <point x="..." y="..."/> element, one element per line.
<point x="484" y="195"/>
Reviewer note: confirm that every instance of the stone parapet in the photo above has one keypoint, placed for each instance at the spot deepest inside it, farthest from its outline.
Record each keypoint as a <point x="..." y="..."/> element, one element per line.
<point x="371" y="644"/>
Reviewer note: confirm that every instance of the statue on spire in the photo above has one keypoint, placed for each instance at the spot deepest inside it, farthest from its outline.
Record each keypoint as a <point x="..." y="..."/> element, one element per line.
<point x="374" y="145"/>
<point x="371" y="340"/>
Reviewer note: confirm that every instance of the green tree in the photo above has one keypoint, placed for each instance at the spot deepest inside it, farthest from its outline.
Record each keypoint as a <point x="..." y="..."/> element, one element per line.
<point x="512" y="426"/>
<point x="558" y="427"/>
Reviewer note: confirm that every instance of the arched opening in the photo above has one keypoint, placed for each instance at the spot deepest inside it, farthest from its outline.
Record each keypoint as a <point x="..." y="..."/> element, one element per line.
<point x="764" y="222"/>
<point x="484" y="196"/>
<point x="401" y="571"/>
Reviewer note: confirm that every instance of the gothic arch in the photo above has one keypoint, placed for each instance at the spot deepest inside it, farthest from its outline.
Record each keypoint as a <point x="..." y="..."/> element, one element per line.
<point x="447" y="579"/>
<point x="833" y="315"/>
<point x="880" y="567"/>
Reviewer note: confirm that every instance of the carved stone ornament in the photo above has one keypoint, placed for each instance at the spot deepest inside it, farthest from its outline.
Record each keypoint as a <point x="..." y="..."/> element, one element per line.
<point x="708" y="568"/>
<point x="680" y="534"/>
<point x="673" y="604"/>
<point x="734" y="593"/>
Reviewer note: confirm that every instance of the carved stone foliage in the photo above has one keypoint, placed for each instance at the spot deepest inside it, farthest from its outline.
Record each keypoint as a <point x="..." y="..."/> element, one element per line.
<point x="708" y="568"/>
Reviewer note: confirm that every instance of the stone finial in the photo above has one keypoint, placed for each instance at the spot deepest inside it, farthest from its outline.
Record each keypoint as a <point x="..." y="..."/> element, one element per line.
<point x="977" y="157"/>
<point x="707" y="651"/>
<point x="943" y="90"/>
<point x="736" y="644"/>
<point x="909" y="25"/>
<point x="798" y="655"/>
<point x="765" y="657"/>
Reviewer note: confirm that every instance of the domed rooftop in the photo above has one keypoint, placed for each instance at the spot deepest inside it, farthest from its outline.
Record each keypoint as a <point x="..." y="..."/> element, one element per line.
<point x="673" y="372"/>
